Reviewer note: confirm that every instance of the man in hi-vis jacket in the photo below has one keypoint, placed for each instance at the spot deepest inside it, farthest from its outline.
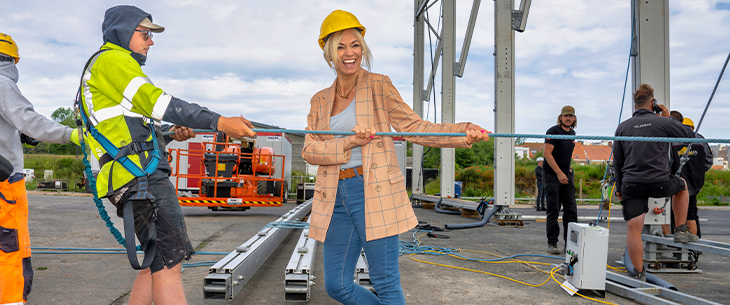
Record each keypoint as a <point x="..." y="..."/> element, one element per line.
<point x="122" y="109"/>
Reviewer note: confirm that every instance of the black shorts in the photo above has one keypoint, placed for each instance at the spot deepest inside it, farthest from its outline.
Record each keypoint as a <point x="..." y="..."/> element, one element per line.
<point x="173" y="243"/>
<point x="635" y="196"/>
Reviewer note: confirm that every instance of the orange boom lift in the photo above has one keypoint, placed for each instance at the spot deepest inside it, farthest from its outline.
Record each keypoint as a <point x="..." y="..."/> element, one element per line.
<point x="234" y="175"/>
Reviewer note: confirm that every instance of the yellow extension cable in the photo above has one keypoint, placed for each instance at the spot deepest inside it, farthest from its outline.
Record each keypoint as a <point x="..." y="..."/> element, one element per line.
<point x="527" y="263"/>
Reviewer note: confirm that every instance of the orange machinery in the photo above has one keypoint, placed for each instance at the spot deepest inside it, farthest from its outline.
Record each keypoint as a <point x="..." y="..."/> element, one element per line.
<point x="233" y="175"/>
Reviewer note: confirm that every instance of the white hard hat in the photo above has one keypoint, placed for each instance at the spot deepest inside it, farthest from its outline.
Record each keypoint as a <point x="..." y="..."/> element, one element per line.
<point x="540" y="159"/>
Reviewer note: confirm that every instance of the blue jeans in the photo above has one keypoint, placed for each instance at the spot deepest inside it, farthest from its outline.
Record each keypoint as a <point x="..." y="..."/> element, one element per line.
<point x="345" y="239"/>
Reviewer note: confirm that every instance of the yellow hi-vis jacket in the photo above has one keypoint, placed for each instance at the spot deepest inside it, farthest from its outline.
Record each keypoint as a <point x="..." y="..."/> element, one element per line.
<point x="118" y="98"/>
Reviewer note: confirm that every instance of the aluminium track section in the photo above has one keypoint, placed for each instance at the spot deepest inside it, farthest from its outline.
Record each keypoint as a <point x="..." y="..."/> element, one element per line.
<point x="706" y="246"/>
<point x="649" y="293"/>
<point x="299" y="276"/>
<point x="457" y="203"/>
<point x="228" y="276"/>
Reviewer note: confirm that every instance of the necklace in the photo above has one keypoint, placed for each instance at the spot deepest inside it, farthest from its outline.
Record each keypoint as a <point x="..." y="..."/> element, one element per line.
<point x="337" y="89"/>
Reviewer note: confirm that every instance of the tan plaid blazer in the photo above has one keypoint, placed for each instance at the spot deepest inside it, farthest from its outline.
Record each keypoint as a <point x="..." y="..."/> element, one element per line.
<point x="379" y="106"/>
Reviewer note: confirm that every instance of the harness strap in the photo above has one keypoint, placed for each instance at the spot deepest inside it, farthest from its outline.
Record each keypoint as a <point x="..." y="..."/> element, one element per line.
<point x="150" y="247"/>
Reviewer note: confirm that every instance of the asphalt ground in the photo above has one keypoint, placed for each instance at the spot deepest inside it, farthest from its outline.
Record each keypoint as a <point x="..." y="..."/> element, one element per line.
<point x="71" y="221"/>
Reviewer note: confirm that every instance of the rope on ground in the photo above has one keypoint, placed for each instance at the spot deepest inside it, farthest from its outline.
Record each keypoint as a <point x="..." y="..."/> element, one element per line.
<point x="496" y="135"/>
<point x="287" y="225"/>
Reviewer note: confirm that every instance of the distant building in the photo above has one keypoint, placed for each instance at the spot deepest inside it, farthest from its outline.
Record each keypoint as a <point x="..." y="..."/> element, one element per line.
<point x="591" y="154"/>
<point x="522" y="152"/>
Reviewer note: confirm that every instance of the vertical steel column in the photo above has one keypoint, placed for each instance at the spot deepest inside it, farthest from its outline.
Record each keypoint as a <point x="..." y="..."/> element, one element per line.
<point x="418" y="49"/>
<point x="504" y="105"/>
<point x="448" y="93"/>
<point x="651" y="30"/>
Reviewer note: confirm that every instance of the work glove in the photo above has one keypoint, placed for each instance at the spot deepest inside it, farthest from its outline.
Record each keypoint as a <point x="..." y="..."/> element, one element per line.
<point x="28" y="140"/>
<point x="75" y="137"/>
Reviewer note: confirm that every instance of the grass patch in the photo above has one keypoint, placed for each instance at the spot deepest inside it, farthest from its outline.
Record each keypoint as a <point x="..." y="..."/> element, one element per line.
<point x="63" y="166"/>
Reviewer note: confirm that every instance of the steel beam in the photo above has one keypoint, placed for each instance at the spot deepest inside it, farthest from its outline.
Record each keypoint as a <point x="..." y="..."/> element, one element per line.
<point x="651" y="32"/>
<point x="705" y="246"/>
<point x="649" y="293"/>
<point x="228" y="276"/>
<point x="418" y="41"/>
<point x="504" y="104"/>
<point x="299" y="276"/>
<point x="448" y="93"/>
<point x="467" y="39"/>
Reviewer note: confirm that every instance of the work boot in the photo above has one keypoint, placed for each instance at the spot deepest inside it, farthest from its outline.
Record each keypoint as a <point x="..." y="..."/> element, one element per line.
<point x="553" y="248"/>
<point x="683" y="235"/>
<point x="640" y="276"/>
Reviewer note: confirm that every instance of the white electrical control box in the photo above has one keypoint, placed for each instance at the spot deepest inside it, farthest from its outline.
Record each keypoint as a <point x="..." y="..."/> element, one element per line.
<point x="659" y="211"/>
<point x="586" y="252"/>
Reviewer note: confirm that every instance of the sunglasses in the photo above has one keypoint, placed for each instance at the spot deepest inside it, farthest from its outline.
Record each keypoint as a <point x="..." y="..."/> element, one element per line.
<point x="147" y="34"/>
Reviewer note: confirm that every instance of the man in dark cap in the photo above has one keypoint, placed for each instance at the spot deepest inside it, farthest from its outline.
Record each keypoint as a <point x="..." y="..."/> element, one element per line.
<point x="558" y="178"/>
<point x="122" y="110"/>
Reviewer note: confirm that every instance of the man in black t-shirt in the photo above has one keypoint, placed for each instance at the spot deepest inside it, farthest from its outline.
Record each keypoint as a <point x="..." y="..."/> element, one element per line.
<point x="558" y="178"/>
<point x="643" y="170"/>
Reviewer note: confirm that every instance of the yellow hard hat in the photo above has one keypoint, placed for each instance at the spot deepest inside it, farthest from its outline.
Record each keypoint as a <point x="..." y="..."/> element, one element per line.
<point x="688" y="122"/>
<point x="337" y="21"/>
<point x="8" y="46"/>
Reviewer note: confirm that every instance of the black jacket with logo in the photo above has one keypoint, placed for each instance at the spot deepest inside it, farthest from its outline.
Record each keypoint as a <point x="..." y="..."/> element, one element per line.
<point x="645" y="162"/>
<point x="699" y="162"/>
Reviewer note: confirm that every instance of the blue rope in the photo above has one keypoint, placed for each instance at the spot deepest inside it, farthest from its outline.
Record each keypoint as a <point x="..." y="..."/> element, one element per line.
<point x="99" y="204"/>
<point x="415" y="247"/>
<point x="496" y="135"/>
<point x="287" y="225"/>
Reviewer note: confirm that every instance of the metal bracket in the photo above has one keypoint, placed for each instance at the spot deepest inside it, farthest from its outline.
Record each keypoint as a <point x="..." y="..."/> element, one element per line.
<point x="457" y="69"/>
<point x="516" y="19"/>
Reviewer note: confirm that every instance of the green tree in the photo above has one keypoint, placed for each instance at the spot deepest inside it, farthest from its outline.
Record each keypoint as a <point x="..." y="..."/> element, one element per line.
<point x="64" y="116"/>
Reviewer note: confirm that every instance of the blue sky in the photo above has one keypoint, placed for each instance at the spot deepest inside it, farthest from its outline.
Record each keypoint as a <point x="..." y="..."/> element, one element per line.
<point x="261" y="58"/>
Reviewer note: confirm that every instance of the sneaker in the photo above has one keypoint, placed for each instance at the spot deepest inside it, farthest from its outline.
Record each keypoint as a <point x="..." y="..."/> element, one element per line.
<point x="553" y="248"/>
<point x="640" y="276"/>
<point x="683" y="235"/>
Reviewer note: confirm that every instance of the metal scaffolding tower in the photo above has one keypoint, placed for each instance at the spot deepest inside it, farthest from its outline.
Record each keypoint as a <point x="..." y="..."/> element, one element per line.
<point x="450" y="69"/>
<point x="506" y="21"/>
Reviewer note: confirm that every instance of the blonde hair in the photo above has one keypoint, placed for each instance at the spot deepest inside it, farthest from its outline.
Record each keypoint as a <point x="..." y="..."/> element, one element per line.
<point x="333" y="40"/>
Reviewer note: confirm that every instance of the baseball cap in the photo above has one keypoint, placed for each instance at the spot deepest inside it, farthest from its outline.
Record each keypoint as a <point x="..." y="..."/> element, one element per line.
<point x="154" y="28"/>
<point x="567" y="109"/>
<point x="540" y="159"/>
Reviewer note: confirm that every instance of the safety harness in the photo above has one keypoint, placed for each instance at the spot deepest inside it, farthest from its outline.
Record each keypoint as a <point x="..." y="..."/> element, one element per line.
<point x="138" y="190"/>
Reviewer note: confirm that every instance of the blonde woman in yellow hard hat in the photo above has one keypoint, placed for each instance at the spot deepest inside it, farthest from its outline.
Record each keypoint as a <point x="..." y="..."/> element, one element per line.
<point x="360" y="200"/>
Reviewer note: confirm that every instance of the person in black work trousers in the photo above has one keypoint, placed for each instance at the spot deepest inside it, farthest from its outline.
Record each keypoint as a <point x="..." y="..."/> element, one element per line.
<point x="643" y="170"/>
<point x="558" y="178"/>
<point x="693" y="171"/>
<point x="540" y="200"/>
